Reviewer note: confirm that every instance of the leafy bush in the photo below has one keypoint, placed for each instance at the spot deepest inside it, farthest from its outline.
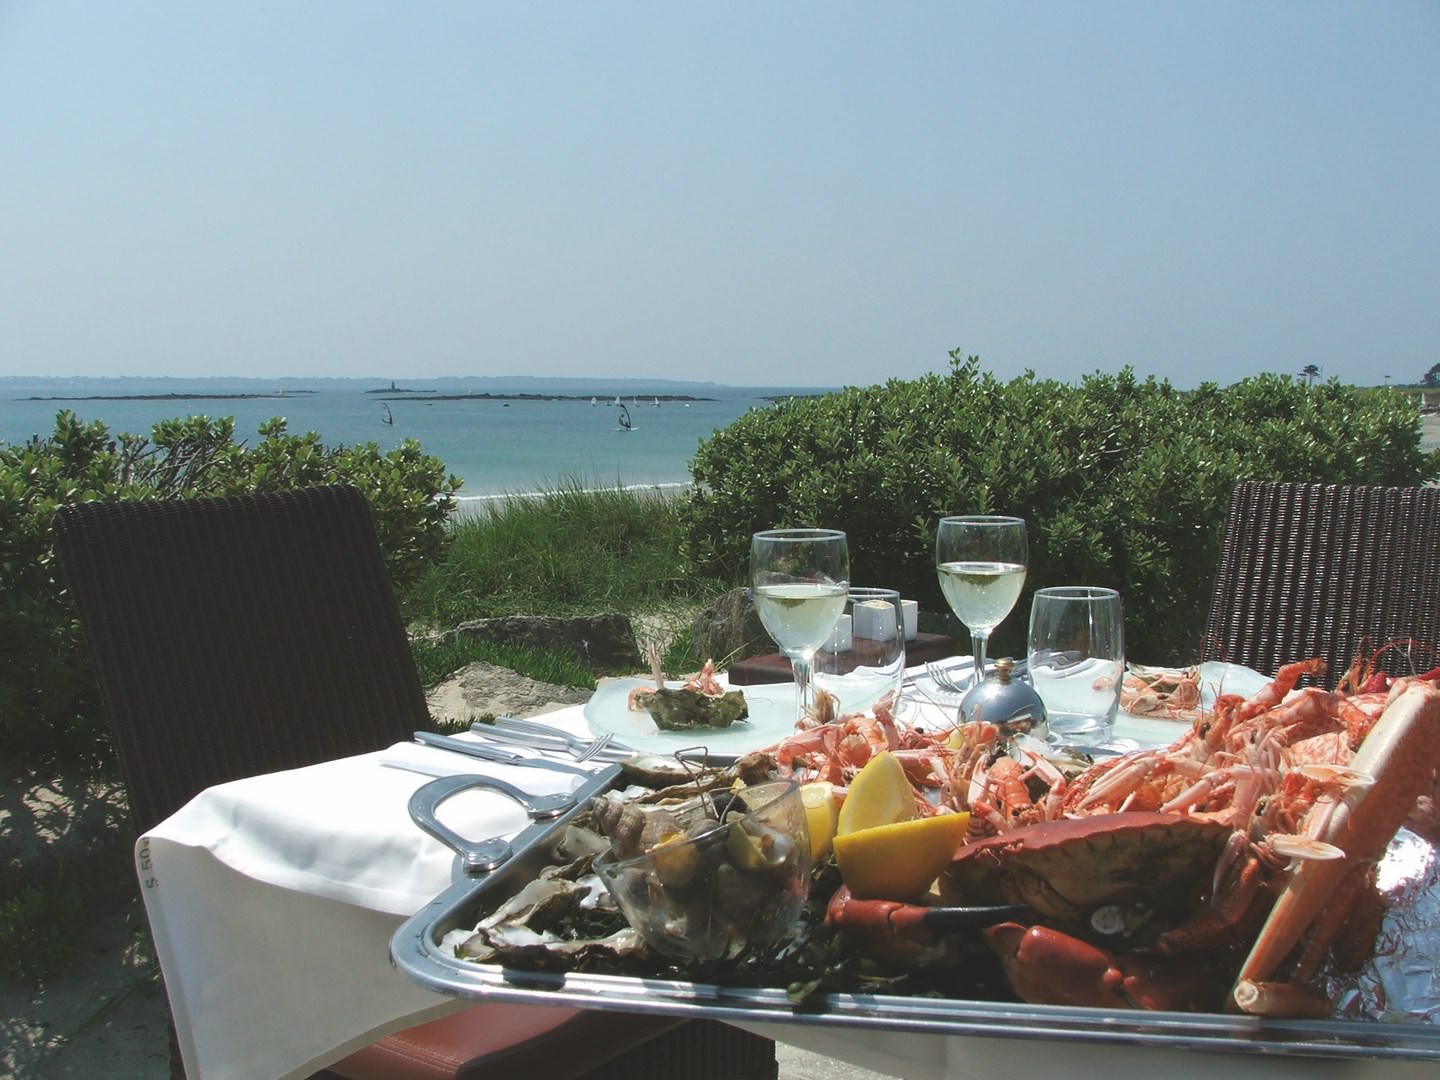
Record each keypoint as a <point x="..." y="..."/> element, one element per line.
<point x="49" y="713"/>
<point x="38" y="931"/>
<point x="1123" y="482"/>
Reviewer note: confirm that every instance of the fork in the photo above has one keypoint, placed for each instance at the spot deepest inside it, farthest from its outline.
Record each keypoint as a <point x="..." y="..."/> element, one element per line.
<point x="521" y="733"/>
<point x="947" y="677"/>
<point x="958" y="678"/>
<point x="533" y="727"/>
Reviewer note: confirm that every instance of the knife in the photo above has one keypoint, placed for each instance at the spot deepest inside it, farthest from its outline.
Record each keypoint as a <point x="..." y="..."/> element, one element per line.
<point x="496" y="754"/>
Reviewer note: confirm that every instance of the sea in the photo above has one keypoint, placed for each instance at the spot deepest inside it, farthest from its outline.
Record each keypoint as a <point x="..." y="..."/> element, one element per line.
<point x="500" y="435"/>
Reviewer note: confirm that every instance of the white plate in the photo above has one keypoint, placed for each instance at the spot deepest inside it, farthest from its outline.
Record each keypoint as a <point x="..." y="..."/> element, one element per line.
<point x="1215" y="679"/>
<point x="772" y="716"/>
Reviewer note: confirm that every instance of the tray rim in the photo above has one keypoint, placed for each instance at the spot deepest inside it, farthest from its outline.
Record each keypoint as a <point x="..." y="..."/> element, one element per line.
<point x="416" y="951"/>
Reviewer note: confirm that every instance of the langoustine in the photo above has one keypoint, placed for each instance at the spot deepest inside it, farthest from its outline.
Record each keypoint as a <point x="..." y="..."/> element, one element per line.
<point x="1279" y="774"/>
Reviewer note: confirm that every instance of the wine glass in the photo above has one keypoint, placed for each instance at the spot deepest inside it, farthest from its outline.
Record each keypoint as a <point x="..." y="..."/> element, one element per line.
<point x="981" y="562"/>
<point x="799" y="580"/>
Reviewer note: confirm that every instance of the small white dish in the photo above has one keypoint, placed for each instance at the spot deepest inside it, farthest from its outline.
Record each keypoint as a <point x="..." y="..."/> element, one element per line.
<point x="772" y="707"/>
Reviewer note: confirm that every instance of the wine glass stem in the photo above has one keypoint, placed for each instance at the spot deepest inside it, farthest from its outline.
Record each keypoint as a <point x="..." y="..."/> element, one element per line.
<point x="978" y="640"/>
<point x="800" y="664"/>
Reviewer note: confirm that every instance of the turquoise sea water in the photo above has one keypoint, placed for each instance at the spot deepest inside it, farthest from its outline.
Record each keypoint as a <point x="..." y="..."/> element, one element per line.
<point x="494" y="446"/>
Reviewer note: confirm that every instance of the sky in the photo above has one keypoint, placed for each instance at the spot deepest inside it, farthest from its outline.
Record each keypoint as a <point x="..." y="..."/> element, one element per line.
<point x="777" y="193"/>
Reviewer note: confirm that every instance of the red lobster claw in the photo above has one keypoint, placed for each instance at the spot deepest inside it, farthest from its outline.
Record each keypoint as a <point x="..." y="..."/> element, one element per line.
<point x="909" y="936"/>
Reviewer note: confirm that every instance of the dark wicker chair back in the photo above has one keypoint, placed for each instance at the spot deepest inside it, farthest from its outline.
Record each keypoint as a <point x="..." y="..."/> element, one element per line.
<point x="1330" y="571"/>
<point x="237" y="636"/>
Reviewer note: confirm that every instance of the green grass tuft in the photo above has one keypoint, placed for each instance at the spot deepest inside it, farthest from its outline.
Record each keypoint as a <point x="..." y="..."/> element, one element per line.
<point x="569" y="551"/>
<point x="438" y="660"/>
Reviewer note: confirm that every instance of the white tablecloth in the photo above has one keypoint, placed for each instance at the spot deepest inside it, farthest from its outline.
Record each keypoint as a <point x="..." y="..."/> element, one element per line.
<point x="273" y="901"/>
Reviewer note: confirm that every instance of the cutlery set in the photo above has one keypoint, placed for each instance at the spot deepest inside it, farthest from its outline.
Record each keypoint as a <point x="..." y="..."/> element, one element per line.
<point x="507" y="732"/>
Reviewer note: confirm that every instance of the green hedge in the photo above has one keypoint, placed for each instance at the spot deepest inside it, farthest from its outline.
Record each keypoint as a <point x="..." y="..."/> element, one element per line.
<point x="1123" y="482"/>
<point x="49" y="715"/>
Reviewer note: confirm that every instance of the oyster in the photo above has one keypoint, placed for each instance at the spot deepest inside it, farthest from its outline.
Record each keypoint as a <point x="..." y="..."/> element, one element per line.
<point x="685" y="710"/>
<point x="700" y="702"/>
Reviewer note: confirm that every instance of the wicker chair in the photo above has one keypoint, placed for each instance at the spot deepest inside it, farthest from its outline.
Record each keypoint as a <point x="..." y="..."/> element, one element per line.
<point x="244" y="635"/>
<point x="1327" y="570"/>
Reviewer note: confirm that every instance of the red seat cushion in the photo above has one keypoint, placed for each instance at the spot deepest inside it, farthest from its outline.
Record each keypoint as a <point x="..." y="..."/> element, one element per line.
<point x="538" y="1042"/>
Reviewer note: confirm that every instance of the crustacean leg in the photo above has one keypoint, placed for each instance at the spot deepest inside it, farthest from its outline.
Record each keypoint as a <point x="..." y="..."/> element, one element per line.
<point x="1125" y="786"/>
<point x="1285" y="680"/>
<point x="1400" y="754"/>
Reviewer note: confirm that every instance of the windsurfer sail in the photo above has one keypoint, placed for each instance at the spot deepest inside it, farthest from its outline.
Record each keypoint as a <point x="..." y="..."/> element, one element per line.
<point x="625" y="424"/>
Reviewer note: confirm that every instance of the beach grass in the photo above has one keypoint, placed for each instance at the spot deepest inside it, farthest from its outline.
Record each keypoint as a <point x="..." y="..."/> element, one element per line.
<point x="436" y="660"/>
<point x="572" y="550"/>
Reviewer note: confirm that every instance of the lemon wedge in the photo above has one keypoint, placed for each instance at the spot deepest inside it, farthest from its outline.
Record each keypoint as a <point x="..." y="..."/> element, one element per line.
<point x="901" y="860"/>
<point x="822" y="811"/>
<point x="880" y="794"/>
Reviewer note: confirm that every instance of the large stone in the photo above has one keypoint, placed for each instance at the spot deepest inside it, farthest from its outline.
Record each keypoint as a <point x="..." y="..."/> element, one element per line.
<point x="478" y="689"/>
<point x="605" y="642"/>
<point x="730" y="629"/>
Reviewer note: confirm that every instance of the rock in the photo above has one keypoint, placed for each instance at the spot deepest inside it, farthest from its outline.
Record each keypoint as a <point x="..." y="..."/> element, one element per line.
<point x="481" y="688"/>
<point x="605" y="642"/>
<point x="730" y="629"/>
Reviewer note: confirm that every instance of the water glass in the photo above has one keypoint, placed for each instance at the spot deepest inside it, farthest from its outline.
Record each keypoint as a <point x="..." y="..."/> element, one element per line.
<point x="864" y="657"/>
<point x="1077" y="660"/>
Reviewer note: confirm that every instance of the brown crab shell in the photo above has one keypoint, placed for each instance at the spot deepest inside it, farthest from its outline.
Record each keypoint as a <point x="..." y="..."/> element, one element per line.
<point x="1066" y="870"/>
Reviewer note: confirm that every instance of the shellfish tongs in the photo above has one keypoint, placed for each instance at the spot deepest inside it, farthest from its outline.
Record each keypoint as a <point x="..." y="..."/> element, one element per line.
<point x="548" y="814"/>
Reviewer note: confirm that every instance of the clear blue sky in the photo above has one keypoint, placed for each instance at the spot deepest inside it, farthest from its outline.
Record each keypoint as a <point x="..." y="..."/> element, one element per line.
<point x="757" y="193"/>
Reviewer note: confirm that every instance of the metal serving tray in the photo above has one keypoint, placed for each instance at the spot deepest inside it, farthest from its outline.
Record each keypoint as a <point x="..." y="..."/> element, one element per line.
<point x="415" y="949"/>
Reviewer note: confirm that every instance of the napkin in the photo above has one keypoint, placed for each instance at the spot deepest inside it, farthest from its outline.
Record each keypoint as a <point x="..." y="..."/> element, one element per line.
<point x="341" y="830"/>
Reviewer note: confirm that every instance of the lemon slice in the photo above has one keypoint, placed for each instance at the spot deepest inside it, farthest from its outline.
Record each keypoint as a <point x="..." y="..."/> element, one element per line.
<point x="901" y="860"/>
<point x="880" y="794"/>
<point x="822" y="810"/>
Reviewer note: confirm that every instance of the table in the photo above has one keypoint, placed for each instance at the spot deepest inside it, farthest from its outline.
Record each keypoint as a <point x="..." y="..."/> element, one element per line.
<point x="775" y="668"/>
<point x="274" y="898"/>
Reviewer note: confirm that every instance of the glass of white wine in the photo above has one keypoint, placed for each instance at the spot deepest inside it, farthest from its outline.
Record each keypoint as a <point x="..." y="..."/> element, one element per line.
<point x="981" y="561"/>
<point x="800" y="579"/>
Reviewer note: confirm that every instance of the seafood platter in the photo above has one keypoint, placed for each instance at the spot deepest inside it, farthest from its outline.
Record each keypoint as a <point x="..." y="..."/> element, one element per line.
<point x="1266" y="883"/>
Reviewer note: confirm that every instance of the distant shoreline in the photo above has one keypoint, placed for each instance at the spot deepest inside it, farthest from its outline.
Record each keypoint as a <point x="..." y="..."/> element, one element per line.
<point x="280" y="394"/>
<point x="382" y="395"/>
<point x="599" y="399"/>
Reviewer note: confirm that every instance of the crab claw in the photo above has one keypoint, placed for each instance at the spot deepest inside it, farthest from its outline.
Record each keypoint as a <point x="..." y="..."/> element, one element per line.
<point x="1047" y="967"/>
<point x="910" y="935"/>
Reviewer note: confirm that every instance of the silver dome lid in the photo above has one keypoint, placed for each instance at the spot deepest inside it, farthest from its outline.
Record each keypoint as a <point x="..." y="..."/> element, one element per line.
<point x="1011" y="705"/>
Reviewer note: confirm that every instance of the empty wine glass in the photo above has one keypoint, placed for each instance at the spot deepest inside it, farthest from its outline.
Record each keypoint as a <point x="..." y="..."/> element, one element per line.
<point x="981" y="562"/>
<point x="799" y="580"/>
